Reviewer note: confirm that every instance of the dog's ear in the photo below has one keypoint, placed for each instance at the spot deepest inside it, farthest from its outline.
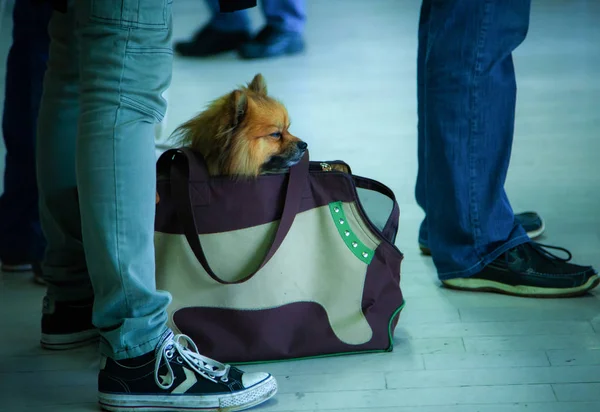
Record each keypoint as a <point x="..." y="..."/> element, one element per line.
<point x="239" y="106"/>
<point x="258" y="85"/>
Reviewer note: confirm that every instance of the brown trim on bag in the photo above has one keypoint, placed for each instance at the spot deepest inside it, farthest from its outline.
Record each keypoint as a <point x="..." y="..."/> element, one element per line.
<point x="267" y="197"/>
<point x="236" y="205"/>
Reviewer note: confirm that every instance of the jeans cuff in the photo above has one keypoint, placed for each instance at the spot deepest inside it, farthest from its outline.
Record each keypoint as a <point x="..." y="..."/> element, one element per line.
<point x="134" y="352"/>
<point x="485" y="260"/>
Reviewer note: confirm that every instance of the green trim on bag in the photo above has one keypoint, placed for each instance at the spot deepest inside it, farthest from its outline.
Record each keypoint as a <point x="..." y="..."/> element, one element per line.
<point x="390" y="348"/>
<point x="358" y="248"/>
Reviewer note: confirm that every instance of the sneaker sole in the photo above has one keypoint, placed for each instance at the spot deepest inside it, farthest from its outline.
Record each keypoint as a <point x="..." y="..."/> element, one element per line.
<point x="69" y="341"/>
<point x="482" y="285"/>
<point x="239" y="401"/>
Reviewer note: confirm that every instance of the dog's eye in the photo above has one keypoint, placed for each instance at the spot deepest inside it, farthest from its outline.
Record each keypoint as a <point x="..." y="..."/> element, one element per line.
<point x="276" y="135"/>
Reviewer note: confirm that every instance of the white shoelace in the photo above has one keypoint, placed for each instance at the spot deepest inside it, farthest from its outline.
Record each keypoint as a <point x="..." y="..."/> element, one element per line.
<point x="208" y="368"/>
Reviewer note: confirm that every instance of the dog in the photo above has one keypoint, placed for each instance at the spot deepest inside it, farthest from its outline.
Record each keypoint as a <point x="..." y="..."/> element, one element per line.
<point x="243" y="134"/>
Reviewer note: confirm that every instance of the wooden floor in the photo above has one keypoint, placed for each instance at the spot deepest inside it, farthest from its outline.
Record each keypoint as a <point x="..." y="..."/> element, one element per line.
<point x="352" y="96"/>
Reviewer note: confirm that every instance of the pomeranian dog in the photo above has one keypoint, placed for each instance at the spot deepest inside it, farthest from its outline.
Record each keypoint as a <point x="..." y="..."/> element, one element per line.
<point x="244" y="133"/>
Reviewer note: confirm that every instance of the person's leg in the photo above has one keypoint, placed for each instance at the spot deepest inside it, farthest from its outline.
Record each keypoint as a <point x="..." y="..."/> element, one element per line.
<point x="21" y="240"/>
<point x="70" y="294"/>
<point x="530" y="221"/>
<point x="224" y="32"/>
<point x="96" y="134"/>
<point x="467" y="93"/>
<point x="112" y="90"/>
<point x="115" y="166"/>
<point x="283" y="32"/>
<point x="469" y="102"/>
<point x="420" y="187"/>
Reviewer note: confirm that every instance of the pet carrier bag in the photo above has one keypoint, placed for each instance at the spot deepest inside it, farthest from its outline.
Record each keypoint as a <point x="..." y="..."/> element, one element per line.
<point x="282" y="266"/>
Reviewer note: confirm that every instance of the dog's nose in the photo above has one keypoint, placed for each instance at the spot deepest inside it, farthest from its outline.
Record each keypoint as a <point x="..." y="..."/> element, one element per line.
<point x="302" y="145"/>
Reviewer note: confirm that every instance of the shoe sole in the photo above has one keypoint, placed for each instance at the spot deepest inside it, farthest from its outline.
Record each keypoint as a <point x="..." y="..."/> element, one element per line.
<point x="482" y="285"/>
<point x="238" y="401"/>
<point x="69" y="341"/>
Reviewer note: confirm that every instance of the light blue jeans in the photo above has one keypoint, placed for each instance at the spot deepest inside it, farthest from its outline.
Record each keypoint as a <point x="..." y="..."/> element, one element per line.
<point x="109" y="63"/>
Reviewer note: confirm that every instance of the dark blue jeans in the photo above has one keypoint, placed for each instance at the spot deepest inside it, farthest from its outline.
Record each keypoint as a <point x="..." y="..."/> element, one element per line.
<point x="286" y="15"/>
<point x="21" y="239"/>
<point x="466" y="109"/>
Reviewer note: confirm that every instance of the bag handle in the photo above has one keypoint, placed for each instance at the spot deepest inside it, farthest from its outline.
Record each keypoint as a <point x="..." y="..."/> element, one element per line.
<point x="391" y="226"/>
<point x="193" y="168"/>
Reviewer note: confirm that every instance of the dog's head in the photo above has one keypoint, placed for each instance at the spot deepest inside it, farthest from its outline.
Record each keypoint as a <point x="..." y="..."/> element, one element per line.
<point x="244" y="133"/>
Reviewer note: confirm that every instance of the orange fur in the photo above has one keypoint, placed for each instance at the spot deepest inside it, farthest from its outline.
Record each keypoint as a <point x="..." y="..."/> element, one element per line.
<point x="243" y="133"/>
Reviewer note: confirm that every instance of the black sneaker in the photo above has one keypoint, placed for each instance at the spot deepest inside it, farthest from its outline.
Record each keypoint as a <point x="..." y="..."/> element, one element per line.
<point x="209" y="41"/>
<point x="178" y="378"/>
<point x="67" y="325"/>
<point x="532" y="223"/>
<point x="530" y="270"/>
<point x="271" y="42"/>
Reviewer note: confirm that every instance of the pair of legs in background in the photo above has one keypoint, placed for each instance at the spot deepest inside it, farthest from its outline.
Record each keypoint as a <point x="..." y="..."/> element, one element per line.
<point x="466" y="108"/>
<point x="109" y="64"/>
<point x="22" y="242"/>
<point x="281" y="35"/>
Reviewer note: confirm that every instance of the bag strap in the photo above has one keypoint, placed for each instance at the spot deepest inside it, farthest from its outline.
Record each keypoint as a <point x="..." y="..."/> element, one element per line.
<point x="390" y="229"/>
<point x="192" y="168"/>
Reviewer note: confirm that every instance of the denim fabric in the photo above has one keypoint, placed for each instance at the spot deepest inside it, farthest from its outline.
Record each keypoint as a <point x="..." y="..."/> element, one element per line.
<point x="110" y="61"/>
<point x="21" y="238"/>
<point x="466" y="109"/>
<point x="286" y="15"/>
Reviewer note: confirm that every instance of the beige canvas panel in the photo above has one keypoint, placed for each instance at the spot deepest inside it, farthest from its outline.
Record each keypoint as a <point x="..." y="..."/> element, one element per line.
<point x="312" y="265"/>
